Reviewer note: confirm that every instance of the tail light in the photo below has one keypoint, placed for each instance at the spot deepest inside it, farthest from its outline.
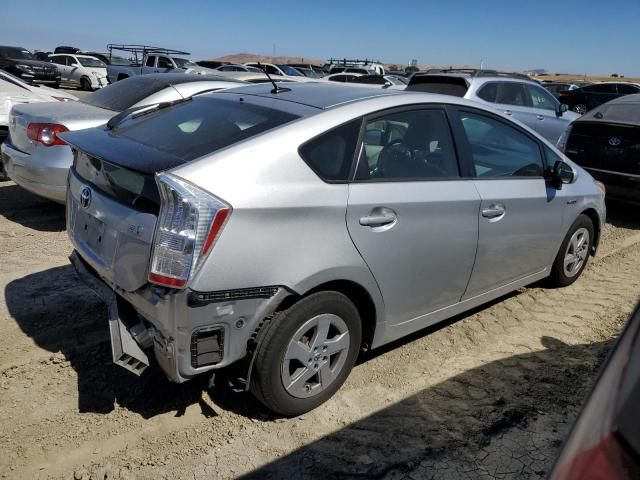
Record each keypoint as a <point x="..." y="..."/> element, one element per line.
<point x="563" y="94"/>
<point x="46" y="133"/>
<point x="189" y="224"/>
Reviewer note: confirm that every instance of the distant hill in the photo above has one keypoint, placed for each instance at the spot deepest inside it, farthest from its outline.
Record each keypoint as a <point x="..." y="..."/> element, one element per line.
<point x="252" y="57"/>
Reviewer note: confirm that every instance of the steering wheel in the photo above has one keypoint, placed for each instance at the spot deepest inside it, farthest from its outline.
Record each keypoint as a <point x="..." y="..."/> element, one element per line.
<point x="394" y="152"/>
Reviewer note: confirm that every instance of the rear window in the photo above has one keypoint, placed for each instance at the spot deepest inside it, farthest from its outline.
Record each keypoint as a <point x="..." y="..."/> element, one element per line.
<point x="126" y="93"/>
<point x="455" y="86"/>
<point x="202" y="125"/>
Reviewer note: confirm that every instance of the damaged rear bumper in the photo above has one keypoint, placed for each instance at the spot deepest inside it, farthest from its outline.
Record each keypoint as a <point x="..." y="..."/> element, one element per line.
<point x="189" y="332"/>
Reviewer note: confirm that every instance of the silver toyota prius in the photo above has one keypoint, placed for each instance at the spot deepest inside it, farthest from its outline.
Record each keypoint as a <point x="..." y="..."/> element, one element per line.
<point x="292" y="226"/>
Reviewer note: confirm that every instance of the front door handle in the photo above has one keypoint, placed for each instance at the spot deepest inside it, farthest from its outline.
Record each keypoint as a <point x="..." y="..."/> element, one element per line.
<point x="540" y="117"/>
<point x="379" y="217"/>
<point x="494" y="211"/>
<point x="508" y="112"/>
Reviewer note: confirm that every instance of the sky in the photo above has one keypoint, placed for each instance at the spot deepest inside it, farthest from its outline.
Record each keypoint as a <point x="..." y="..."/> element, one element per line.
<point x="565" y="36"/>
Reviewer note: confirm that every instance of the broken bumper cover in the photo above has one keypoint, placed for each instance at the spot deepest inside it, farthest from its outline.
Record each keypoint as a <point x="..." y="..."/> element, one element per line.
<point x="187" y="337"/>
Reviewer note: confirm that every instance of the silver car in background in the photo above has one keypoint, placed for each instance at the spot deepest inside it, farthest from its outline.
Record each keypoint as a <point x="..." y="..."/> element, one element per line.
<point x="36" y="159"/>
<point x="292" y="227"/>
<point x="514" y="95"/>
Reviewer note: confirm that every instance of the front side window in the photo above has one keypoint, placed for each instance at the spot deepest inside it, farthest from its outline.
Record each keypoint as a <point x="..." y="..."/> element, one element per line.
<point x="331" y="154"/>
<point x="540" y="98"/>
<point x="601" y="88"/>
<point x="416" y="144"/>
<point x="164" y="62"/>
<point x="499" y="150"/>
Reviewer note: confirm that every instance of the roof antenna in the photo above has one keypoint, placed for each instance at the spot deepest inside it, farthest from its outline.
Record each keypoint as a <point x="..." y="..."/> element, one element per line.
<point x="276" y="88"/>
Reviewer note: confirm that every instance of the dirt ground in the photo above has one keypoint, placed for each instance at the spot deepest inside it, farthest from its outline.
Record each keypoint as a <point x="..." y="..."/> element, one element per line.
<point x="490" y="394"/>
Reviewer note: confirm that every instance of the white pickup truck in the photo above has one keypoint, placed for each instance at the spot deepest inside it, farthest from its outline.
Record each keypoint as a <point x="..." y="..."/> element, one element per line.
<point x="149" y="59"/>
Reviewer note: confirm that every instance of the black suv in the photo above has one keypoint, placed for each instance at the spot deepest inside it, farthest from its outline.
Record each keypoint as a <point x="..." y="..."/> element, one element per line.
<point x="583" y="99"/>
<point x="21" y="63"/>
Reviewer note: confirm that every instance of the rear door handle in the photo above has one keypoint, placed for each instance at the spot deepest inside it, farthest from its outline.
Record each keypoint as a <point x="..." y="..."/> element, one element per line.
<point x="379" y="217"/>
<point x="494" y="211"/>
<point x="508" y="112"/>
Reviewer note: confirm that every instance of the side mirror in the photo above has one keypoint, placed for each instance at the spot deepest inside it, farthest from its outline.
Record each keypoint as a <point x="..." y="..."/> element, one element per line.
<point x="561" y="174"/>
<point x="562" y="108"/>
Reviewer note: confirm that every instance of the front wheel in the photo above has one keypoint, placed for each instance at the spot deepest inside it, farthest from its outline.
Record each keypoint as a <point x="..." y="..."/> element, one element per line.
<point x="85" y="84"/>
<point x="574" y="253"/>
<point x="307" y="353"/>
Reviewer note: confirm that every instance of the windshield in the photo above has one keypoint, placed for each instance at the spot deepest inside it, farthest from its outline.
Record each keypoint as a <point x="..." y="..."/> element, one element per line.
<point x="16" y="52"/>
<point x="91" y="62"/>
<point x="184" y="63"/>
<point x="120" y="61"/>
<point x="201" y="126"/>
<point x="397" y="80"/>
<point x="292" y="72"/>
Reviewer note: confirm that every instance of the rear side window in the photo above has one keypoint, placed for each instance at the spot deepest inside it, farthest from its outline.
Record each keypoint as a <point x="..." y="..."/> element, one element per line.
<point x="151" y="60"/>
<point x="331" y="154"/>
<point x="627" y="89"/>
<point x="499" y="150"/>
<point x="202" y="125"/>
<point x="506" y="93"/>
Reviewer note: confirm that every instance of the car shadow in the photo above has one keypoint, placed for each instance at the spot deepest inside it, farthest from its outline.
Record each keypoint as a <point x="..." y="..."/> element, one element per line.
<point x="61" y="315"/>
<point x="30" y="210"/>
<point x="623" y="215"/>
<point x="482" y="423"/>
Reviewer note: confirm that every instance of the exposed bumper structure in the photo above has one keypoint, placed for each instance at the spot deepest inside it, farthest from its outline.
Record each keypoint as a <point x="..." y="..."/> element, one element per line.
<point x="187" y="338"/>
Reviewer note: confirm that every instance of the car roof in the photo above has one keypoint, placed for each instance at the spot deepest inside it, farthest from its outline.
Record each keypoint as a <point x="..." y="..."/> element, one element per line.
<point x="321" y="95"/>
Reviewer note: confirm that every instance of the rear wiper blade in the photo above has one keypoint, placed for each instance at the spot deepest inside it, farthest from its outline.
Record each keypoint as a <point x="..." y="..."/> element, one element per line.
<point x="136" y="112"/>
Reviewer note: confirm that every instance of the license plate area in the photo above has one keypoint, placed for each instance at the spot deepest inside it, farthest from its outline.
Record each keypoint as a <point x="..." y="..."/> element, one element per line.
<point x="90" y="231"/>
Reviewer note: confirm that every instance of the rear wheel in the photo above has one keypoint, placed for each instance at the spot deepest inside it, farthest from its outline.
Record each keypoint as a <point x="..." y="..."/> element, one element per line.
<point x="307" y="353"/>
<point x="580" y="108"/>
<point x="574" y="253"/>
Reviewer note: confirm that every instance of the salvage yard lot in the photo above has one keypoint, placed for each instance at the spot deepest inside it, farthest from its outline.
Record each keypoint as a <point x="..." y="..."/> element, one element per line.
<point x="488" y="395"/>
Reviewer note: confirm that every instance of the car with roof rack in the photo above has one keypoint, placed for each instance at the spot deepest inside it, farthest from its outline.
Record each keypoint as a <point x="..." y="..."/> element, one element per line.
<point x="513" y="94"/>
<point x="289" y="226"/>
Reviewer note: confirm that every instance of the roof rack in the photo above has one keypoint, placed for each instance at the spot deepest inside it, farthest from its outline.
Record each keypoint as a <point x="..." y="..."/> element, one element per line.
<point x="354" y="61"/>
<point x="476" y="72"/>
<point x="143" y="49"/>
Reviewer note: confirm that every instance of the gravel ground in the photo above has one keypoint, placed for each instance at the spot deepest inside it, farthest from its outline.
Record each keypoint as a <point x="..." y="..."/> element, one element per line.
<point x="491" y="394"/>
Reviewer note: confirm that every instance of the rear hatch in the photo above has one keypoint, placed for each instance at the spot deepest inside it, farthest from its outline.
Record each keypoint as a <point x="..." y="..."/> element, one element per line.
<point x="73" y="115"/>
<point x="113" y="203"/>
<point x="113" y="200"/>
<point x="605" y="146"/>
<point x="442" y="84"/>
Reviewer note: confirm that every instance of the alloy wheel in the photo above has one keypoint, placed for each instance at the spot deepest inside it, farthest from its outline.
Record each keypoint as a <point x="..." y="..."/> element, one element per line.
<point x="576" y="253"/>
<point x="315" y="355"/>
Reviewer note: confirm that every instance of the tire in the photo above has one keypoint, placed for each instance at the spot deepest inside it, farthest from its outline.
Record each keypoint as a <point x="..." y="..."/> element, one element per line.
<point x="277" y="364"/>
<point x="85" y="84"/>
<point x="580" y="108"/>
<point x="566" y="270"/>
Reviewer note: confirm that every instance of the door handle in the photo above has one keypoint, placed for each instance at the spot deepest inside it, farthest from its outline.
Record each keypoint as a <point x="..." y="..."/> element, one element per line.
<point x="494" y="211"/>
<point x="379" y="217"/>
<point x="539" y="117"/>
<point x="508" y="112"/>
<point x="156" y="71"/>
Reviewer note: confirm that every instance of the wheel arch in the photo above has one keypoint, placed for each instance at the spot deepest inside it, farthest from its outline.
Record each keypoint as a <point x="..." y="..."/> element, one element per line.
<point x="597" y="230"/>
<point x="121" y="76"/>
<point x="355" y="292"/>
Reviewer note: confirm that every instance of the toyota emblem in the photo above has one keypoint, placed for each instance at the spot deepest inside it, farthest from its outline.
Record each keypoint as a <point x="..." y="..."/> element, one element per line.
<point x="85" y="197"/>
<point x="614" y="141"/>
